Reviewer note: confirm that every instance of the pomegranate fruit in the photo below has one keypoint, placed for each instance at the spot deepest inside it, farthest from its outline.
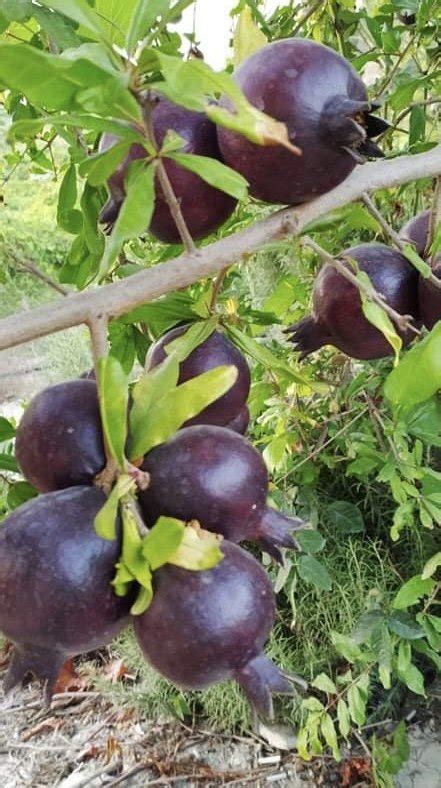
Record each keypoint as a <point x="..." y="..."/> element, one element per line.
<point x="323" y="103"/>
<point x="59" y="440"/>
<point x="55" y="594"/>
<point x="213" y="352"/>
<point x="337" y="317"/>
<point x="213" y="475"/>
<point x="416" y="231"/>
<point x="204" y="208"/>
<point x="209" y="626"/>
<point x="240" y="422"/>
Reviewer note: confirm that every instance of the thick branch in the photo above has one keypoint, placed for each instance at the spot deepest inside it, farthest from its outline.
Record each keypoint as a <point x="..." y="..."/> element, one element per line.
<point x="115" y="299"/>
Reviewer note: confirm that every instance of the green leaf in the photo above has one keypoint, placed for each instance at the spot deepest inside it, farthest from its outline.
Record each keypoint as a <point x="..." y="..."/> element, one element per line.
<point x="115" y="17"/>
<point x="105" y="520"/>
<point x="411" y="592"/>
<point x="431" y="566"/>
<point x="312" y="571"/>
<point x="68" y="218"/>
<point x="100" y="166"/>
<point x="325" y="684"/>
<point x="143" y="19"/>
<point x="135" y="214"/>
<point x="248" y="38"/>
<point x="424" y="421"/>
<point x="404" y="625"/>
<point x="162" y="541"/>
<point x="310" y="541"/>
<point x="180" y="404"/>
<point x="81" y="12"/>
<point x="19" y="493"/>
<point x="418" y="375"/>
<point x="199" y="550"/>
<point x="414" y="258"/>
<point x="404" y="657"/>
<point x="7" y="430"/>
<point x="29" y="128"/>
<point x="345" y="516"/>
<point x="346" y="647"/>
<point x="330" y="735"/>
<point x="143" y="599"/>
<point x="413" y="679"/>
<point x="214" y="172"/>
<point x="183" y="345"/>
<point x="376" y="315"/>
<point x="357" y="704"/>
<point x="113" y="397"/>
<point x="8" y="463"/>
<point x="264" y="356"/>
<point x="344" y="720"/>
<point x="147" y="391"/>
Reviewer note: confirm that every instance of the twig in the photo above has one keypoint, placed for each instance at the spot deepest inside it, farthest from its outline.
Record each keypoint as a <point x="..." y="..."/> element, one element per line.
<point x="308" y="13"/>
<point x="167" y="188"/>
<point x="216" y="288"/>
<point x="395" y="68"/>
<point x="100" y="347"/>
<point x="119" y="297"/>
<point x="405" y="112"/>
<point x="403" y="322"/>
<point x="32" y="269"/>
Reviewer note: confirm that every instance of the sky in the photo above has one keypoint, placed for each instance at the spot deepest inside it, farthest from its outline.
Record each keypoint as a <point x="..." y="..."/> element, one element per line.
<point x="213" y="27"/>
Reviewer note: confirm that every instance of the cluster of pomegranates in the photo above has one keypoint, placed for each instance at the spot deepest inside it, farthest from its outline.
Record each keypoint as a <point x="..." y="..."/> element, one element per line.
<point x="337" y="317"/>
<point x="56" y="597"/>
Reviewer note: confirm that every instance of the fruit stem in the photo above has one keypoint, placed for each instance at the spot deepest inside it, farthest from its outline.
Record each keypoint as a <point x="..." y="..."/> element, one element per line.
<point x="218" y="282"/>
<point x="403" y="322"/>
<point x="390" y="233"/>
<point x="97" y="325"/>
<point x="164" y="180"/>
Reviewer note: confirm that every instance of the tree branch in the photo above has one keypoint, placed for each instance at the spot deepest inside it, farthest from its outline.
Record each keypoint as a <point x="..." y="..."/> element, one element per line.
<point x="435" y="215"/>
<point x="117" y="298"/>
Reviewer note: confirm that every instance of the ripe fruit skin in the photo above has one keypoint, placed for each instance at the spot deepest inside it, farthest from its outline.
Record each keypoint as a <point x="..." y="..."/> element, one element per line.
<point x="415" y="231"/>
<point x="204" y="208"/>
<point x="213" y="352"/>
<point x="213" y="475"/>
<point x="55" y="594"/>
<point x="241" y="421"/>
<point x="429" y="297"/>
<point x="324" y="105"/>
<point x="59" y="440"/>
<point x="337" y="317"/>
<point x="209" y="626"/>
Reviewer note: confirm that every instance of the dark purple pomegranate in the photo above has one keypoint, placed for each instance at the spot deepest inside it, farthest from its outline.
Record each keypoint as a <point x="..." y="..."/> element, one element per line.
<point x="213" y="475"/>
<point x="415" y="231"/>
<point x="55" y="594"/>
<point x="210" y="626"/>
<point x="204" y="208"/>
<point x="213" y="352"/>
<point x="240" y="422"/>
<point x="337" y="317"/>
<point x="59" y="440"/>
<point x="323" y="103"/>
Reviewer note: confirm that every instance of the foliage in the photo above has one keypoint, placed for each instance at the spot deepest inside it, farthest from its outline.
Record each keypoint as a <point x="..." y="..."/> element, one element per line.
<point x="353" y="447"/>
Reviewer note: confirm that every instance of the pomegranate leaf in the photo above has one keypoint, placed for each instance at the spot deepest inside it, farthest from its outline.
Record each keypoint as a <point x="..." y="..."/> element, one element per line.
<point x="142" y="601"/>
<point x="100" y="166"/>
<point x="7" y="430"/>
<point x="8" y="463"/>
<point x="313" y="571"/>
<point x="414" y="258"/>
<point x="418" y="375"/>
<point x="180" y="404"/>
<point x="412" y="591"/>
<point x="183" y="345"/>
<point x="199" y="550"/>
<point x="68" y="218"/>
<point x="113" y="398"/>
<point x="106" y="518"/>
<point x="162" y="541"/>
<point x="378" y="317"/>
<point x="264" y="356"/>
<point x="135" y="214"/>
<point x="143" y="19"/>
<point x="19" y="493"/>
<point x="147" y="391"/>
<point x="81" y="12"/>
<point x="214" y="172"/>
<point x="30" y="127"/>
<point x="248" y="38"/>
<point x="431" y="566"/>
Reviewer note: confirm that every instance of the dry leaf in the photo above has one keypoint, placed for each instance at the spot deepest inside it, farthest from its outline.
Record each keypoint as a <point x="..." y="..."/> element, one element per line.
<point x="355" y="770"/>
<point x="45" y="726"/>
<point x="68" y="680"/>
<point x="115" y="670"/>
